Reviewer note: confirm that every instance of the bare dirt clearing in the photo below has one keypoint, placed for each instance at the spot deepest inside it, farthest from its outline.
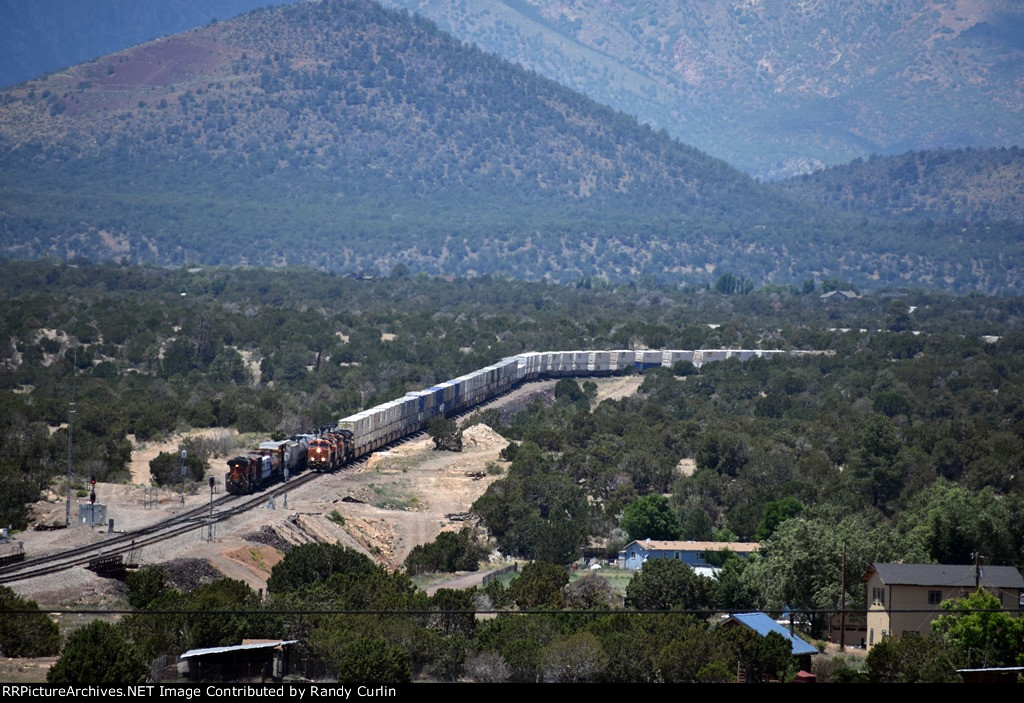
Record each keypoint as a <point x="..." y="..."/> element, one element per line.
<point x="617" y="387"/>
<point x="145" y="452"/>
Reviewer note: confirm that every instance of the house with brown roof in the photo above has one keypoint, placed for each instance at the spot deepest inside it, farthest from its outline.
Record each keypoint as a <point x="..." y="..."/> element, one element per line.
<point x="695" y="554"/>
<point x="904" y="599"/>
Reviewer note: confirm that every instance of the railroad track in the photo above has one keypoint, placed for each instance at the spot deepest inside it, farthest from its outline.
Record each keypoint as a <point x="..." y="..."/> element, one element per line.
<point x="197" y="517"/>
<point x="225" y="507"/>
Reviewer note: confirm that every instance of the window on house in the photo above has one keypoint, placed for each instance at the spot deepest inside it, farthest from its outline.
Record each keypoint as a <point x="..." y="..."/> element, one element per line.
<point x="878" y="596"/>
<point x="934" y="597"/>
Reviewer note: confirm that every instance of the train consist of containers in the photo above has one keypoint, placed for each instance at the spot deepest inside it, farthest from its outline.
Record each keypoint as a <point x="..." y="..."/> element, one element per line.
<point x="359" y="434"/>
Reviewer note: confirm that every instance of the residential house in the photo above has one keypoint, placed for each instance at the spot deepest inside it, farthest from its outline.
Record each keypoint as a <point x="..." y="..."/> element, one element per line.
<point x="692" y="553"/>
<point x="904" y="599"/>
<point x="762" y="624"/>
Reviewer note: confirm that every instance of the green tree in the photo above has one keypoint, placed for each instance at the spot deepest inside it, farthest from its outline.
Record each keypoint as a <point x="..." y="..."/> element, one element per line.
<point x="978" y="629"/>
<point x="775" y="513"/>
<point x="309" y="563"/>
<point x="725" y="453"/>
<point x="372" y="661"/>
<point x="578" y="658"/>
<point x="30" y="634"/>
<point x="651" y="517"/>
<point x="912" y="659"/>
<point x="876" y="471"/>
<point x="146" y="585"/>
<point x="663" y="584"/>
<point x="166" y="468"/>
<point x="592" y="592"/>
<point x="520" y="641"/>
<point x="539" y="585"/>
<point x="568" y="390"/>
<point x="690" y="650"/>
<point x="451" y="551"/>
<point x="762" y="658"/>
<point x="462" y="621"/>
<point x="954" y="522"/>
<point x="237" y="621"/>
<point x="446" y="434"/>
<point x="98" y="654"/>
<point x="536" y="511"/>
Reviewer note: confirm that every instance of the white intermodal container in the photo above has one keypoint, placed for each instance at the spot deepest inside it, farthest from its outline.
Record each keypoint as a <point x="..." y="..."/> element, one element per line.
<point x="621" y="359"/>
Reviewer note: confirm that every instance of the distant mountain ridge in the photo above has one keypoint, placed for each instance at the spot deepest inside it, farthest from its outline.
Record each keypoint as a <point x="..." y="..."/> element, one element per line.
<point x="774" y="87"/>
<point x="36" y="37"/>
<point x="347" y="137"/>
<point x="977" y="185"/>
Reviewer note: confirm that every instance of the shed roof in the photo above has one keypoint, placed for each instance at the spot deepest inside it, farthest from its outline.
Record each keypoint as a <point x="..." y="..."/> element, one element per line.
<point x="269" y="644"/>
<point x="762" y="624"/>
<point x="946" y="575"/>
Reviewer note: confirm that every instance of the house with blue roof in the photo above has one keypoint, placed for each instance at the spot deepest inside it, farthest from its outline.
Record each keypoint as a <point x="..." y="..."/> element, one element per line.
<point x="762" y="624"/>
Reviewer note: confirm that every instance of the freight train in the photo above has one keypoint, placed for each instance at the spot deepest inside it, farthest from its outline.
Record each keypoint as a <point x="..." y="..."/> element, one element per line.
<point x="362" y="433"/>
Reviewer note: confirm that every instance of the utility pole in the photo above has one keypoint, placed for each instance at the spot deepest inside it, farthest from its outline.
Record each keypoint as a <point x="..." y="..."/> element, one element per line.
<point x="842" y="617"/>
<point x="210" y="536"/>
<point x="71" y="422"/>
<point x="184" y="456"/>
<point x="287" y="459"/>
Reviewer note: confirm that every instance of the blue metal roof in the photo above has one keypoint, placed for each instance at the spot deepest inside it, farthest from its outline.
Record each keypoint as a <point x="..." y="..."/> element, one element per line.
<point x="762" y="624"/>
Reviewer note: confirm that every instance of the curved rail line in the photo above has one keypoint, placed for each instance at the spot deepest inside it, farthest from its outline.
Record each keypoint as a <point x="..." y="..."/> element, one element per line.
<point x="231" y="505"/>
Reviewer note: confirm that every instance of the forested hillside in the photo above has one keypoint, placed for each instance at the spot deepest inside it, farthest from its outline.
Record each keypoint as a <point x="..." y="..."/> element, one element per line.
<point x="979" y="185"/>
<point x="775" y="88"/>
<point x="151" y="350"/>
<point x="348" y="137"/>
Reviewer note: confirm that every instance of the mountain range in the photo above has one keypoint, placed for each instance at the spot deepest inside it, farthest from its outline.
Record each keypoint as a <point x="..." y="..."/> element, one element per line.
<point x="774" y="87"/>
<point x="344" y="136"/>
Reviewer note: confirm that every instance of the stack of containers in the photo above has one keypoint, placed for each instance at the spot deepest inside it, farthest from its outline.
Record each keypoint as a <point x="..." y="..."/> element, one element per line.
<point x="528" y="365"/>
<point x="559" y="363"/>
<point x="600" y="363"/>
<point x="419" y="401"/>
<point x="548" y="364"/>
<point x="509" y="369"/>
<point x="671" y="358"/>
<point x="359" y="426"/>
<point x="620" y="360"/>
<point x="714" y="355"/>
<point x="580" y="362"/>
<point x="648" y="359"/>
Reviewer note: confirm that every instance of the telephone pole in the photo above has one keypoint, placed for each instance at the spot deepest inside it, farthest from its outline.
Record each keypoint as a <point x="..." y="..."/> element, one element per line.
<point x="71" y="422"/>
<point x="842" y="618"/>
